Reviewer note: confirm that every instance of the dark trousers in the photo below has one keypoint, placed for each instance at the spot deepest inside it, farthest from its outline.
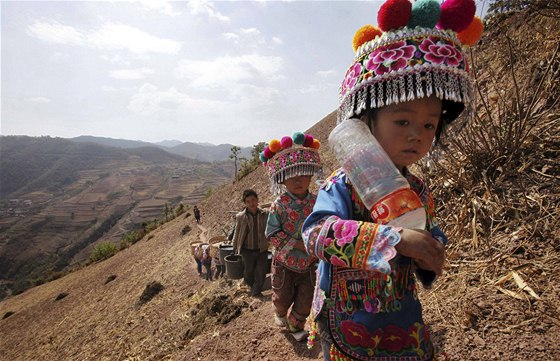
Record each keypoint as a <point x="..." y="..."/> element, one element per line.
<point x="198" y="266"/>
<point x="208" y="268"/>
<point x="220" y="270"/>
<point x="255" y="263"/>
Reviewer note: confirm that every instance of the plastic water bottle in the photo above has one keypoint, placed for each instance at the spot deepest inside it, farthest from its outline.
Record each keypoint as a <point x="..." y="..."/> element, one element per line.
<point x="380" y="185"/>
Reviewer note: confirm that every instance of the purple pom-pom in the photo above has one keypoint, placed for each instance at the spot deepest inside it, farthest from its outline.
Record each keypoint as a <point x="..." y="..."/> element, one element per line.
<point x="268" y="153"/>
<point x="308" y="142"/>
<point x="286" y="142"/>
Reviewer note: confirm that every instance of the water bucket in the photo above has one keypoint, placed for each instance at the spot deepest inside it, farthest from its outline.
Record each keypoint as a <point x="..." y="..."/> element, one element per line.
<point x="224" y="251"/>
<point x="234" y="266"/>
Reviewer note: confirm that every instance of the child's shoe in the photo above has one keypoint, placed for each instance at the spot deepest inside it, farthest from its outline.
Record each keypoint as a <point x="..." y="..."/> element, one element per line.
<point x="298" y="334"/>
<point x="280" y="321"/>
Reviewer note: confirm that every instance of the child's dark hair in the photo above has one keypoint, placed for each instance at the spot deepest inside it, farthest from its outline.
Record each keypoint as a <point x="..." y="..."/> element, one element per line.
<point x="248" y="193"/>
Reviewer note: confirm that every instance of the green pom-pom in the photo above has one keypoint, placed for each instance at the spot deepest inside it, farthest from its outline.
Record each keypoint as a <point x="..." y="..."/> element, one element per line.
<point x="425" y="14"/>
<point x="262" y="157"/>
<point x="298" y="138"/>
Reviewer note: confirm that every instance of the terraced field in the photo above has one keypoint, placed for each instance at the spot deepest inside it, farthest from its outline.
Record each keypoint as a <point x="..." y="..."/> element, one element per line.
<point x="58" y="228"/>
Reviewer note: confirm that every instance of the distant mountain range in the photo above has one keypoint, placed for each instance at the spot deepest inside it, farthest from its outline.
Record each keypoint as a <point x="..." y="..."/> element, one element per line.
<point x="168" y="143"/>
<point x="200" y="151"/>
<point x="60" y="197"/>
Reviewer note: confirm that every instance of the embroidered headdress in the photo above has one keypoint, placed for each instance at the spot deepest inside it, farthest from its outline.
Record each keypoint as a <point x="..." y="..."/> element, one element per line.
<point x="290" y="157"/>
<point x="417" y="50"/>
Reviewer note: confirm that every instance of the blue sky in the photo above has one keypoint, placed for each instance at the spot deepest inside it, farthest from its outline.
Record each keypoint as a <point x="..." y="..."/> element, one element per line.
<point x="217" y="72"/>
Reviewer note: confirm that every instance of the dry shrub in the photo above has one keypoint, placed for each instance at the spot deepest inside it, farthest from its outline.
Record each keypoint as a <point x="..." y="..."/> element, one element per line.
<point x="497" y="183"/>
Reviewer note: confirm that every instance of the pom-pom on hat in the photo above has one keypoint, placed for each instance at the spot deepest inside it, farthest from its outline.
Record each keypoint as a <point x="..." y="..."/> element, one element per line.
<point x="291" y="157"/>
<point x="419" y="52"/>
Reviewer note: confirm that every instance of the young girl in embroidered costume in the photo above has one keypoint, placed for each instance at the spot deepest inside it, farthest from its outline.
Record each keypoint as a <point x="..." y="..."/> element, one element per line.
<point x="408" y="82"/>
<point x="290" y="163"/>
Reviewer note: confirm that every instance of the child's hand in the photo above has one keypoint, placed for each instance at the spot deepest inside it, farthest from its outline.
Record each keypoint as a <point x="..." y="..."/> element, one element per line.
<point x="420" y="245"/>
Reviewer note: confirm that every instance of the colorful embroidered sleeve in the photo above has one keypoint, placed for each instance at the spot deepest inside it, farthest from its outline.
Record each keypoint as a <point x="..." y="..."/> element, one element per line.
<point x="274" y="230"/>
<point x="331" y="235"/>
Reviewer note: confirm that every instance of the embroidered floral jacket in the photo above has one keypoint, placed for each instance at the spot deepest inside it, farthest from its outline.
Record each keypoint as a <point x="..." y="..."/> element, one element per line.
<point x="283" y="229"/>
<point x="367" y="291"/>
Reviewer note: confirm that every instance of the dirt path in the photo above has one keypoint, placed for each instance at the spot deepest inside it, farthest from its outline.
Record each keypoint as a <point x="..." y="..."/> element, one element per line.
<point x="203" y="233"/>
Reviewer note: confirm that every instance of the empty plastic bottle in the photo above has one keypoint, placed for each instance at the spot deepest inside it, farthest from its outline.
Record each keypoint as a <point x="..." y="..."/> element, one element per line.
<point x="380" y="185"/>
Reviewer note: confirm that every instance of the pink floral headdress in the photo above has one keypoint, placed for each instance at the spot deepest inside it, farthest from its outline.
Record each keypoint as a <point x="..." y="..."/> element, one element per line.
<point x="290" y="157"/>
<point x="417" y="50"/>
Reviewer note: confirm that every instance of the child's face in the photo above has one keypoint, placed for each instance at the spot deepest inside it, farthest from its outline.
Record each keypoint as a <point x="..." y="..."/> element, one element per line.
<point x="298" y="185"/>
<point x="251" y="203"/>
<point x="406" y="130"/>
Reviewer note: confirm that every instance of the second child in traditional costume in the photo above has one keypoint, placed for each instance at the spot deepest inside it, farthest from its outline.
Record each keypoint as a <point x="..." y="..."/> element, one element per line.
<point x="290" y="163"/>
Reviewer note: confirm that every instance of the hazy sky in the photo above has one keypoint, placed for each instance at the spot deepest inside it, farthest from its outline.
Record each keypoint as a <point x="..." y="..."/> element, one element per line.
<point x="218" y="72"/>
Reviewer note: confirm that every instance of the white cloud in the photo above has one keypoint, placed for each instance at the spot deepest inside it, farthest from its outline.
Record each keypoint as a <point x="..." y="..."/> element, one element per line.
<point x="227" y="71"/>
<point x="250" y="31"/>
<point x="253" y="97"/>
<point x="109" y="89"/>
<point x="202" y="7"/>
<point x="315" y="88"/>
<point x="163" y="7"/>
<point x="115" y="36"/>
<point x="40" y="100"/>
<point x="131" y="74"/>
<point x="277" y="40"/>
<point x="149" y="100"/>
<point x="327" y="73"/>
<point x="57" y="56"/>
<point x="118" y="59"/>
<point x="121" y="36"/>
<point x="56" y="33"/>
<point x="248" y="38"/>
<point x="231" y="36"/>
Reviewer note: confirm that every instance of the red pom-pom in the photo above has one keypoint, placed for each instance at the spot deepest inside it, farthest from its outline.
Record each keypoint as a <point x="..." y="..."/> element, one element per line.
<point x="472" y="34"/>
<point x="316" y="144"/>
<point x="394" y="14"/>
<point x="268" y="153"/>
<point x="456" y="14"/>
<point x="308" y="142"/>
<point x="364" y="34"/>
<point x="286" y="142"/>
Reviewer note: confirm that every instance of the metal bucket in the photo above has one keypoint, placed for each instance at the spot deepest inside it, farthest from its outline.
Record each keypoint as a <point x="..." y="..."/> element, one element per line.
<point x="224" y="251"/>
<point x="234" y="266"/>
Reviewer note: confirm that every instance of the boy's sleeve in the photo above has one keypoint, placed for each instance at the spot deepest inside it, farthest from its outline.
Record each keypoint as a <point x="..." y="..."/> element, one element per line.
<point x="331" y="235"/>
<point x="237" y="236"/>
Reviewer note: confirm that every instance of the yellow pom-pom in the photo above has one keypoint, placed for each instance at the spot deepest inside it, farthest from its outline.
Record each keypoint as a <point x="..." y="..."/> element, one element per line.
<point x="275" y="145"/>
<point x="316" y="144"/>
<point x="365" y="34"/>
<point x="472" y="33"/>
